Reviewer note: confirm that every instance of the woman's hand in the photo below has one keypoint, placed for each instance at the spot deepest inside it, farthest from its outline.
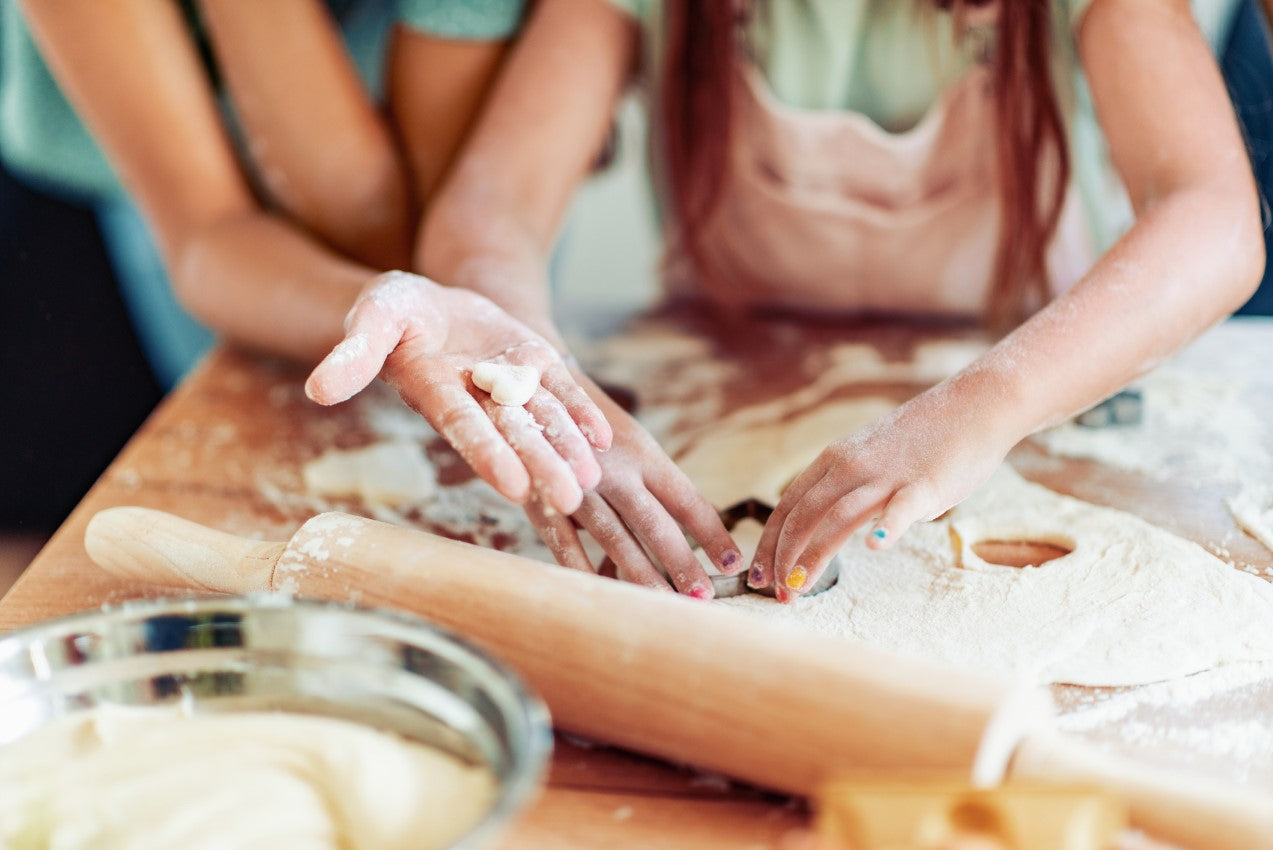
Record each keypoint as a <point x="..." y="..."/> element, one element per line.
<point x="425" y="339"/>
<point x="914" y="464"/>
<point x="639" y="514"/>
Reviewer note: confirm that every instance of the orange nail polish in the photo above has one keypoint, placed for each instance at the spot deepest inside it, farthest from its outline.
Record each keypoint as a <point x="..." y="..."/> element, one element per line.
<point x="797" y="577"/>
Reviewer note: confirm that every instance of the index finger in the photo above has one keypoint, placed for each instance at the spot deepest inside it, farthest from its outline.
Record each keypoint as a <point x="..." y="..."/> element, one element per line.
<point x="459" y="418"/>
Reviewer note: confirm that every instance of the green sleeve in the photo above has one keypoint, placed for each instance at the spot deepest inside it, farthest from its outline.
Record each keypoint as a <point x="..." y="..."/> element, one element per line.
<point x="639" y="9"/>
<point x="41" y="138"/>
<point x="467" y="20"/>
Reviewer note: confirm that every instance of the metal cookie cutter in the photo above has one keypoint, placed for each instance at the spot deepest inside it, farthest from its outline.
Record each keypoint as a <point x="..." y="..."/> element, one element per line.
<point x="750" y="515"/>
<point x="1125" y="407"/>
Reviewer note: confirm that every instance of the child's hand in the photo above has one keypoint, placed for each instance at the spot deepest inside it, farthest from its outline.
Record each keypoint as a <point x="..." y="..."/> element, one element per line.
<point x="914" y="464"/>
<point x="425" y="339"/>
<point x="637" y="514"/>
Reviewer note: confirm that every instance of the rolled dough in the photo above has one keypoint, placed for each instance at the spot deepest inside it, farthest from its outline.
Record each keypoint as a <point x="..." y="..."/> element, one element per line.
<point x="1130" y="604"/>
<point x="146" y="779"/>
<point x="758" y="460"/>
<point x="508" y="384"/>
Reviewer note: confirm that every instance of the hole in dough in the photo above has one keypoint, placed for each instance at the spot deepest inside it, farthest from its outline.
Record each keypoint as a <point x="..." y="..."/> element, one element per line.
<point x="1019" y="553"/>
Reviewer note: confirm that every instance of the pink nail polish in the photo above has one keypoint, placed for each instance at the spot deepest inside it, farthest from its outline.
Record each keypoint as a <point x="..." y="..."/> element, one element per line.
<point x="698" y="591"/>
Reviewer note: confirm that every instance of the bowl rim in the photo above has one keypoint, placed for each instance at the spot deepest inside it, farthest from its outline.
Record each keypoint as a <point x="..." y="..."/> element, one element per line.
<point x="513" y="795"/>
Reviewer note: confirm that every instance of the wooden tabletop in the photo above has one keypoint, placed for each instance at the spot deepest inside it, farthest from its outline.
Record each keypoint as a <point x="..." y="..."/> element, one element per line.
<point x="227" y="448"/>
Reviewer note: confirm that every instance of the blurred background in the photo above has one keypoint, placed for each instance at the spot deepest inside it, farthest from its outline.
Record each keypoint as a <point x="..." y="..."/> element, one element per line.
<point x="77" y="382"/>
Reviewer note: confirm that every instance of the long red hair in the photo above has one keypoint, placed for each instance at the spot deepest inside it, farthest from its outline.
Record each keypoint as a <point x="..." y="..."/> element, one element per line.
<point x="697" y="116"/>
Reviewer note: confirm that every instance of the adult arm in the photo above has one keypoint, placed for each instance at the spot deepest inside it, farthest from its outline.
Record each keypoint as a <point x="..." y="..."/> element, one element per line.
<point x="490" y="230"/>
<point x="131" y="71"/>
<point x="1193" y="255"/>
<point x="324" y="153"/>
<point x="436" y="88"/>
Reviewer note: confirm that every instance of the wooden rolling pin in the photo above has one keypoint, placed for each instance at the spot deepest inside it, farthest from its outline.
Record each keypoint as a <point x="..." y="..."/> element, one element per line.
<point x="680" y="679"/>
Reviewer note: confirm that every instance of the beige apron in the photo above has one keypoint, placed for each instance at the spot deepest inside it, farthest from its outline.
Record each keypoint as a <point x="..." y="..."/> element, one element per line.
<point x="824" y="211"/>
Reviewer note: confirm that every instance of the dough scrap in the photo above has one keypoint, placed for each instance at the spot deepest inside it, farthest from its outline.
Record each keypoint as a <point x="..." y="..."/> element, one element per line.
<point x="390" y="472"/>
<point x="149" y="778"/>
<point x="508" y="384"/>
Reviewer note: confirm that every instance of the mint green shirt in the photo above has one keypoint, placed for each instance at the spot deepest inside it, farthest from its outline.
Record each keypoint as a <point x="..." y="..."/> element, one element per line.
<point x="891" y="59"/>
<point x="42" y="139"/>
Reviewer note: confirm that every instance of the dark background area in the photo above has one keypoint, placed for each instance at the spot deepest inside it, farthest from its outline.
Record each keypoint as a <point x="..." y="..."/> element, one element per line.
<point x="75" y="383"/>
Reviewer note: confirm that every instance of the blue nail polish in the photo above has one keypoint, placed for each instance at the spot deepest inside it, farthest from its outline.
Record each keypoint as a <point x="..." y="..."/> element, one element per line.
<point x="879" y="533"/>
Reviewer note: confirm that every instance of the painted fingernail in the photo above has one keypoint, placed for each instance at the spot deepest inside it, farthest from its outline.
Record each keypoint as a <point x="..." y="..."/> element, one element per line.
<point x="698" y="591"/>
<point x="879" y="533"/>
<point x="730" y="561"/>
<point x="755" y="575"/>
<point x="782" y="594"/>
<point x="797" y="577"/>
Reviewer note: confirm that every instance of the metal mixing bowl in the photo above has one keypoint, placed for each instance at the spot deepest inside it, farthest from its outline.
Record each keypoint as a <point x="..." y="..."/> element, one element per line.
<point x="382" y="669"/>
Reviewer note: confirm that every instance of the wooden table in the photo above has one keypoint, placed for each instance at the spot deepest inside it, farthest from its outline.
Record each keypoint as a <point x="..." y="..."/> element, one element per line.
<point x="227" y="448"/>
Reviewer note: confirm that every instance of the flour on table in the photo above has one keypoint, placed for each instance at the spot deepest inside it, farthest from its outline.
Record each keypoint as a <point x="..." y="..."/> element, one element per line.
<point x="1130" y="604"/>
<point x="1193" y="426"/>
<point x="1252" y="509"/>
<point x="389" y="472"/>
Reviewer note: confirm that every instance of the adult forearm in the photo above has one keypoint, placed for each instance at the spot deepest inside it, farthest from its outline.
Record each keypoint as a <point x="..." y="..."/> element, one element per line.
<point x="260" y="282"/>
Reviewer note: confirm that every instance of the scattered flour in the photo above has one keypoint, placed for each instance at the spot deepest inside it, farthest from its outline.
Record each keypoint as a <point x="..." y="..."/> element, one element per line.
<point x="1130" y="604"/>
<point x="1212" y="721"/>
<point x="1252" y="508"/>
<point x="119" y="778"/>
<point x="1193" y="426"/>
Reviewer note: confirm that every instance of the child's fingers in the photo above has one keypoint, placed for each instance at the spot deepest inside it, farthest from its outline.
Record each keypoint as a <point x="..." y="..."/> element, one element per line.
<point x="909" y="505"/>
<point x="351" y="365"/>
<point x="552" y="478"/>
<point x="631" y="562"/>
<point x="839" y="524"/>
<point x="582" y="409"/>
<point x="683" y="501"/>
<point x="760" y="574"/>
<point x="662" y="537"/>
<point x="560" y="536"/>
<point x="457" y="416"/>
<point x="563" y="435"/>
<point x="823" y="510"/>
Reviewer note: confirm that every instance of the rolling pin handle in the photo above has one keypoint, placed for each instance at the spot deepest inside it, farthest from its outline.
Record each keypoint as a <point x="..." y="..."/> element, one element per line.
<point x="150" y="546"/>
